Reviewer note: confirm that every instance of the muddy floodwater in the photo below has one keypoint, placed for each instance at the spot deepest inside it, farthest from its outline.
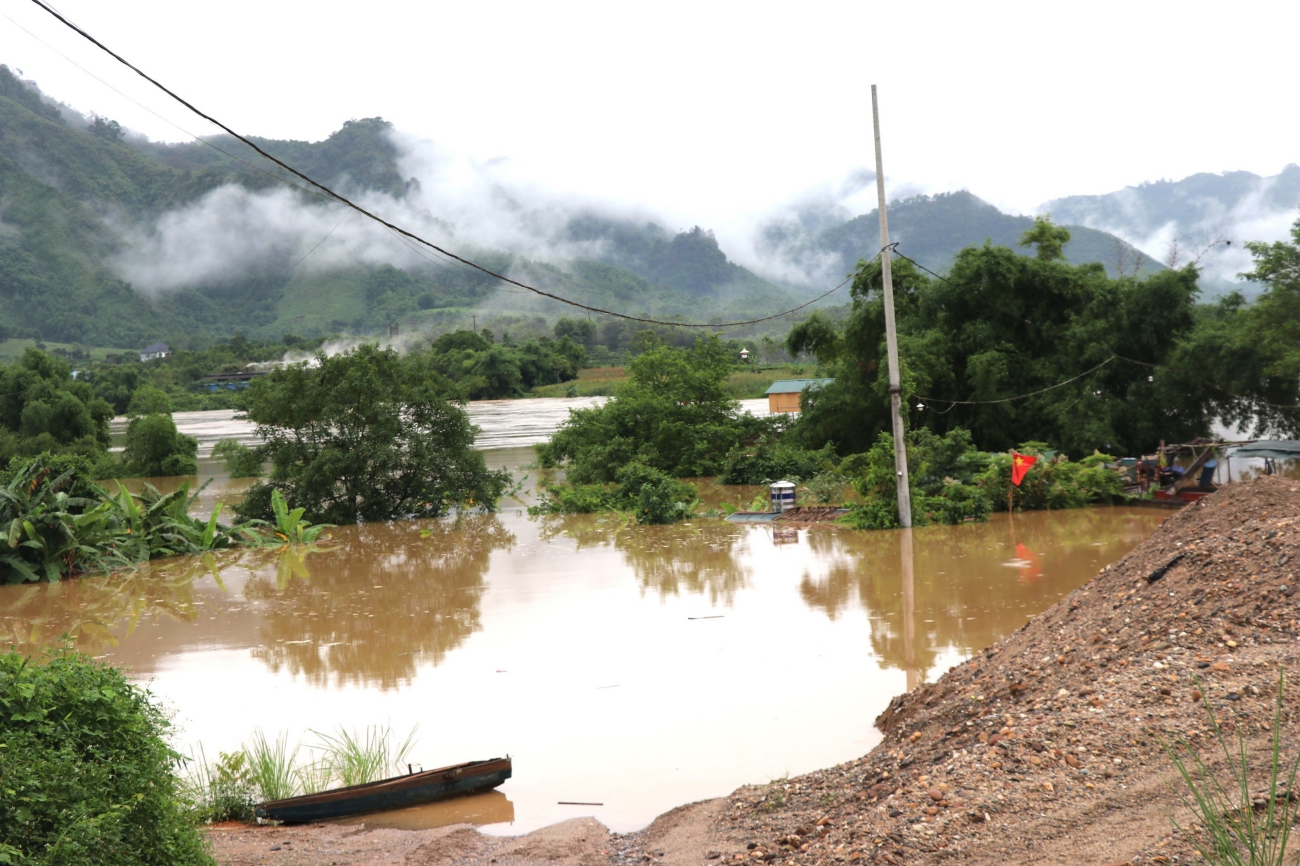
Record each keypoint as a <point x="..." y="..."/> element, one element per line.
<point x="634" y="667"/>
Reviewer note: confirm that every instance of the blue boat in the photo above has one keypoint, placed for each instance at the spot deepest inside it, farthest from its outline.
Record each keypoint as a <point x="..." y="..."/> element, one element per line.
<point x="398" y="792"/>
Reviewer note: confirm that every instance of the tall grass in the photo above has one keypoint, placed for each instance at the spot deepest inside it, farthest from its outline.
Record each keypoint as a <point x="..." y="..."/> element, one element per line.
<point x="355" y="758"/>
<point x="1241" y="828"/>
<point x="265" y="769"/>
<point x="272" y="766"/>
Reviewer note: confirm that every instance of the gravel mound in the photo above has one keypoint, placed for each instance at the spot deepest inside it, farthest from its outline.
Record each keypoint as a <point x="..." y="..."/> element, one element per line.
<point x="1046" y="748"/>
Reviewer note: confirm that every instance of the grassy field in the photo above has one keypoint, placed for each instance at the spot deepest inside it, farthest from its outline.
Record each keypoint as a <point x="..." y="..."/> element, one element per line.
<point x="12" y="350"/>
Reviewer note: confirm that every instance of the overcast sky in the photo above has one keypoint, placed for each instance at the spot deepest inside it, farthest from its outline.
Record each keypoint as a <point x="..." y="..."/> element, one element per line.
<point x="713" y="113"/>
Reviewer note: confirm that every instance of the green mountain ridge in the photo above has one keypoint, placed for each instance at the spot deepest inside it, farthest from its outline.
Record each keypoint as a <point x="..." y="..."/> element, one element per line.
<point x="70" y="196"/>
<point x="933" y="228"/>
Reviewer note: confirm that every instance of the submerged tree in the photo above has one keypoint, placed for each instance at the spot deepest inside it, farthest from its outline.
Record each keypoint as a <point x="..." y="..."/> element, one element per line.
<point x="675" y="415"/>
<point x="367" y="435"/>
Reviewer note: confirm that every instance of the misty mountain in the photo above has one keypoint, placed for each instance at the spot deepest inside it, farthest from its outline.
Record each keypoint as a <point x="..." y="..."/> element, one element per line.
<point x="109" y="239"/>
<point x="1209" y="216"/>
<point x="932" y="229"/>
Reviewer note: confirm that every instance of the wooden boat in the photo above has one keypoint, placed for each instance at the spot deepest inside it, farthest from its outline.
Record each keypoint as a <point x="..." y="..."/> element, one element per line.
<point x="409" y="790"/>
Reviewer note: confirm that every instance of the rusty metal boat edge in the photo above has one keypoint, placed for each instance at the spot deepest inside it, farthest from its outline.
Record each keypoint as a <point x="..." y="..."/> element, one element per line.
<point x="398" y="792"/>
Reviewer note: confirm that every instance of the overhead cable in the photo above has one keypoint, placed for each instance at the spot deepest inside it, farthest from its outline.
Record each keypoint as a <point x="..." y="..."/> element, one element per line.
<point x="396" y="228"/>
<point x="1019" y="396"/>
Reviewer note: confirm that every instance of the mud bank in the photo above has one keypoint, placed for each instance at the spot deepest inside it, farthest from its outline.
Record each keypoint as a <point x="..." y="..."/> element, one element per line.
<point x="1045" y="748"/>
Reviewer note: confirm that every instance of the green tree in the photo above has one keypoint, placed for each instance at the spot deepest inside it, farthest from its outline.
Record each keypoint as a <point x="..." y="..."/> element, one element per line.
<point x="1048" y="237"/>
<point x="674" y="415"/>
<point x="42" y="408"/>
<point x="149" y="400"/>
<point x="367" y="435"/>
<point x="154" y="447"/>
<point x="1001" y="325"/>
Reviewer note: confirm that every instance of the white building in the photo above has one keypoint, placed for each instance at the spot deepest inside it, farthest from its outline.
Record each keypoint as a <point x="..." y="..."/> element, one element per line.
<point x="156" y="350"/>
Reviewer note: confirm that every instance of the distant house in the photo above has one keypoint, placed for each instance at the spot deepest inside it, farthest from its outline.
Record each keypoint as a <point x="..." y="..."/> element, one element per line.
<point x="784" y="395"/>
<point x="155" y="350"/>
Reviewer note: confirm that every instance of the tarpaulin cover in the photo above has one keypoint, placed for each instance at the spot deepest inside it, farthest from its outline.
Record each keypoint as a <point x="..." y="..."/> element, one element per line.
<point x="1278" y="449"/>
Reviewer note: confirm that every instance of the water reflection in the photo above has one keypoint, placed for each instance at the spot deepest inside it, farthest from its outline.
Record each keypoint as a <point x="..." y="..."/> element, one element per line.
<point x="593" y="650"/>
<point x="962" y="587"/>
<point x="705" y="558"/>
<point x="490" y="808"/>
<point x="395" y="595"/>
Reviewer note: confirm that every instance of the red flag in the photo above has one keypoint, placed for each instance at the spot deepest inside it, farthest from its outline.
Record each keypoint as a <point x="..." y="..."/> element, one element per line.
<point x="1020" y="464"/>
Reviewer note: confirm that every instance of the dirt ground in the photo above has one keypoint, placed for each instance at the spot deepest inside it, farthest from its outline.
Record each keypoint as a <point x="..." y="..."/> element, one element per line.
<point x="1045" y="748"/>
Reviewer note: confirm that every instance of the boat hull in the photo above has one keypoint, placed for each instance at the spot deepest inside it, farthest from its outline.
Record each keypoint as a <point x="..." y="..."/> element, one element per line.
<point x="396" y="793"/>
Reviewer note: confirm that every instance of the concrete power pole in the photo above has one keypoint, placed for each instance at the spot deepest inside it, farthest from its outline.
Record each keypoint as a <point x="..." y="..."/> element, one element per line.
<point x="891" y="336"/>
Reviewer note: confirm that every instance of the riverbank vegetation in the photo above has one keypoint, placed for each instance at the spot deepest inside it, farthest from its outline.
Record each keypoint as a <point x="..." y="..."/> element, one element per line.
<point x="367" y="435"/>
<point x="262" y="769"/>
<point x="87" y="769"/>
<point x="56" y="523"/>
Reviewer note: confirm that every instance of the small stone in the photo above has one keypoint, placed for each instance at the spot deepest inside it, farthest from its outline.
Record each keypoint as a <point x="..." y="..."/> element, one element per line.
<point x="1221" y="666"/>
<point x="713" y="855"/>
<point x="1036" y="761"/>
<point x="1073" y="761"/>
<point x="935" y="794"/>
<point x="1196" y="695"/>
<point x="932" y="810"/>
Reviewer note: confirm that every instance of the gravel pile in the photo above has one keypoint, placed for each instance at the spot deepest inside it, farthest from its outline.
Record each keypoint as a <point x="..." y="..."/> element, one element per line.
<point x="1046" y="748"/>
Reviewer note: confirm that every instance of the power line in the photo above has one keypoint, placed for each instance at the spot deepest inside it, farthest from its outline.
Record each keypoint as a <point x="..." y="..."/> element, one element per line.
<point x="348" y="202"/>
<point x="894" y="247"/>
<point x="1292" y="406"/>
<point x="1019" y="396"/>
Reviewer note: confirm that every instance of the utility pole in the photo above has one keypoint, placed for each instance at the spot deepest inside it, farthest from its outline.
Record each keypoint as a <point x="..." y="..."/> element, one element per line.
<point x="891" y="336"/>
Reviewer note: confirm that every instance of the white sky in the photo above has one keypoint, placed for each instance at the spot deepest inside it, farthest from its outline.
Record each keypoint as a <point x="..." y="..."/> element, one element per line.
<point x="714" y="113"/>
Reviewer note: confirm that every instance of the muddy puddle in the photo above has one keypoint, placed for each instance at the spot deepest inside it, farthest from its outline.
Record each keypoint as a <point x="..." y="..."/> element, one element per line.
<point x="634" y="667"/>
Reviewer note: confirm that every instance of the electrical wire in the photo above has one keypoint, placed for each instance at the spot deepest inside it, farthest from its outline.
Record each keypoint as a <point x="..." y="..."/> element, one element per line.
<point x="894" y="247"/>
<point x="359" y="209"/>
<point x="1019" y="396"/>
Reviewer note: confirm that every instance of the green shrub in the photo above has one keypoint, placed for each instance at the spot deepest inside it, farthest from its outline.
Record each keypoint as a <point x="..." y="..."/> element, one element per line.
<point x="241" y="461"/>
<point x="87" y="773"/>
<point x="767" y="463"/>
<point x="653" y="496"/>
<point x="154" y="448"/>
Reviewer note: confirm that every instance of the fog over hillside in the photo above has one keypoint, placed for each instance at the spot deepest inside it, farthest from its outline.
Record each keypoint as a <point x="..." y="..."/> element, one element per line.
<point x="1210" y="216"/>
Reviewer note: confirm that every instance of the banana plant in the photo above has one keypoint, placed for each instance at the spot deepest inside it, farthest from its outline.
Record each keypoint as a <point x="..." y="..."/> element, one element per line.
<point x="290" y="526"/>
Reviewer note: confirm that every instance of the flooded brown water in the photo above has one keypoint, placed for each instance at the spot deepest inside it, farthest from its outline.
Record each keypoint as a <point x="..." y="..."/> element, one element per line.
<point x="638" y="667"/>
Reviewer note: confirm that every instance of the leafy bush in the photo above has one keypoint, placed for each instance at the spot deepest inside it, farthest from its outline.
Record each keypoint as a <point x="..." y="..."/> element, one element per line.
<point x="651" y="495"/>
<point x="1052" y="483"/>
<point x="87" y="771"/>
<point x="767" y="463"/>
<point x="241" y="461"/>
<point x="224" y="791"/>
<point x="952" y="482"/>
<point x="56" y="523"/>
